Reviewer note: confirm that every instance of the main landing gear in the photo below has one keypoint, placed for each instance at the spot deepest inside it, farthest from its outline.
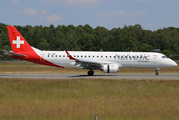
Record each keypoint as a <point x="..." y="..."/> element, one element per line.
<point x="156" y="71"/>
<point x="91" y="72"/>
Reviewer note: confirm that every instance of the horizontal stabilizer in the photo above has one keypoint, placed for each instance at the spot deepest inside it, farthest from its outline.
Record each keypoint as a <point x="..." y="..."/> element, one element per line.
<point x="9" y="53"/>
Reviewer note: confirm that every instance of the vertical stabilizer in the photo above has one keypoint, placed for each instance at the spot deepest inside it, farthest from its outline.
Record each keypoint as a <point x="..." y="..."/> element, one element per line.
<point x="23" y="51"/>
<point x="18" y="43"/>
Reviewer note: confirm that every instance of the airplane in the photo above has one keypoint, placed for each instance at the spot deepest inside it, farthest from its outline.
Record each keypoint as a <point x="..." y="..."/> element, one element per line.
<point x="108" y="62"/>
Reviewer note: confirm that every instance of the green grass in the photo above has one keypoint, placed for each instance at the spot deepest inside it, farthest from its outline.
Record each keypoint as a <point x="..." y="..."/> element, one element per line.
<point x="82" y="99"/>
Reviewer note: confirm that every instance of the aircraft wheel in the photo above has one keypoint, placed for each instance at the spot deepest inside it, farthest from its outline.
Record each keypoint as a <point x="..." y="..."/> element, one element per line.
<point x="91" y="72"/>
<point x="156" y="73"/>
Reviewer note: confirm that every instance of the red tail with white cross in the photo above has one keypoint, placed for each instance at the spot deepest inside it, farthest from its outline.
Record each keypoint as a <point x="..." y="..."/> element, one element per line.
<point x="18" y="43"/>
<point x="22" y="50"/>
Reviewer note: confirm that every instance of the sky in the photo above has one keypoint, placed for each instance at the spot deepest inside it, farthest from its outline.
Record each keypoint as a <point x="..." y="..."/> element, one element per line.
<point x="150" y="14"/>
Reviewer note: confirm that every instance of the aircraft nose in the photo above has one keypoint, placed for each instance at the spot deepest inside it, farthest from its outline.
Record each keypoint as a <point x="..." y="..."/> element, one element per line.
<point x="173" y="63"/>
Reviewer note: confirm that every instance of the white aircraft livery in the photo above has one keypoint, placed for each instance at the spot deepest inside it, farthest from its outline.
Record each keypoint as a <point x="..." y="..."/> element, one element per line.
<point x="108" y="62"/>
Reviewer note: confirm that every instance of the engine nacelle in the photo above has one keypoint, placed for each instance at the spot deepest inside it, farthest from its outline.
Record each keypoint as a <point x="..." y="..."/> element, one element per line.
<point x="110" y="68"/>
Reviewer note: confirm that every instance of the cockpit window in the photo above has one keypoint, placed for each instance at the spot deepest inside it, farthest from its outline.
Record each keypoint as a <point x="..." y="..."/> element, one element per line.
<point x="164" y="57"/>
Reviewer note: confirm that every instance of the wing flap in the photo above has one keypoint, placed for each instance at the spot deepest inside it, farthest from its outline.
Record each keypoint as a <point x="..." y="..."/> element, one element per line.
<point x="89" y="63"/>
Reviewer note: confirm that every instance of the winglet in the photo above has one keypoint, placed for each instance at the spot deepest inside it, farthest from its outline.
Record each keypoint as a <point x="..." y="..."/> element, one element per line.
<point x="70" y="57"/>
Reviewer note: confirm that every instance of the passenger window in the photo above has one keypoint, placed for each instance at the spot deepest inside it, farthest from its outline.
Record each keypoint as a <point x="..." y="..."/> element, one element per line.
<point x="59" y="55"/>
<point x="63" y="55"/>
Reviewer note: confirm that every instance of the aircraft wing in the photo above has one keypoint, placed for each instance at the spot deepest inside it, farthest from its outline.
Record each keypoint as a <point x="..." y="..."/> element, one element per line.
<point x="85" y="63"/>
<point x="9" y="53"/>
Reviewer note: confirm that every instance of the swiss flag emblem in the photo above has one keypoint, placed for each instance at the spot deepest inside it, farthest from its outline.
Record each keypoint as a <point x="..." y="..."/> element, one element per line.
<point x="18" y="42"/>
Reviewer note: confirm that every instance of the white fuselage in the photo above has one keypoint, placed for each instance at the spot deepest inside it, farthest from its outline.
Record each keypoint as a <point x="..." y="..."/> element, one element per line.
<point x="123" y="59"/>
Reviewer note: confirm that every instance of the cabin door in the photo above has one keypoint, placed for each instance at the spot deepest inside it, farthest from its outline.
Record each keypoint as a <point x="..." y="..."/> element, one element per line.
<point x="154" y="58"/>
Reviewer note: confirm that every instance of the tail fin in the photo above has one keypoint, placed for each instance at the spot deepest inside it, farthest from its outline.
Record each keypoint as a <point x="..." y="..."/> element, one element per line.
<point x="18" y="43"/>
<point x="22" y="50"/>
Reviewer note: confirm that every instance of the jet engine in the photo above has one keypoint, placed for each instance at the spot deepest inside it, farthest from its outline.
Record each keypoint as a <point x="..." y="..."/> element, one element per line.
<point x="110" y="68"/>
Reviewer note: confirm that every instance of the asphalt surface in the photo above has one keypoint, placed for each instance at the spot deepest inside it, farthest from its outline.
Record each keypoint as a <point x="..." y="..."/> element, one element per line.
<point x="128" y="76"/>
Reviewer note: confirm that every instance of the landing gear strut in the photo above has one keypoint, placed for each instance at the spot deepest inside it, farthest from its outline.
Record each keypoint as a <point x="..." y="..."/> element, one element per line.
<point x="156" y="71"/>
<point x="91" y="72"/>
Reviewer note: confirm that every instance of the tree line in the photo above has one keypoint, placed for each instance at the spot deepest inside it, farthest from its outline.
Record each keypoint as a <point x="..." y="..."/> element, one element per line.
<point x="86" y="38"/>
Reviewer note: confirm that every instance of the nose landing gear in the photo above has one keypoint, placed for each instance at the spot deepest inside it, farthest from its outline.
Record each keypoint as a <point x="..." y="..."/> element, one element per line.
<point x="156" y="71"/>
